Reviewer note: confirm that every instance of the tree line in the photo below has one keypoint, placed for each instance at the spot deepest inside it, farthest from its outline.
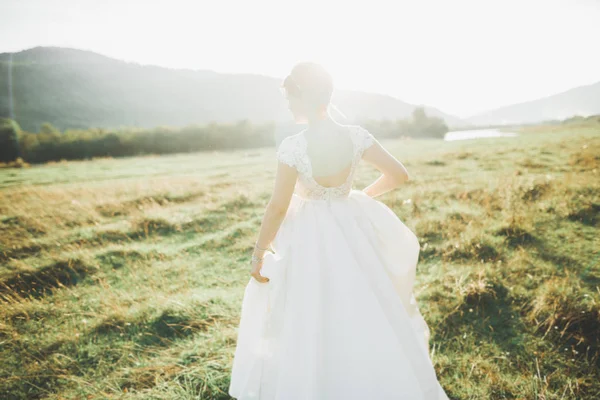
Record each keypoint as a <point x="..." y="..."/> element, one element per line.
<point x="420" y="125"/>
<point x="49" y="144"/>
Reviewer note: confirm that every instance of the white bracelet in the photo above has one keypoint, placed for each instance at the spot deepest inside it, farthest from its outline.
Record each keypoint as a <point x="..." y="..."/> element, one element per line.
<point x="254" y="258"/>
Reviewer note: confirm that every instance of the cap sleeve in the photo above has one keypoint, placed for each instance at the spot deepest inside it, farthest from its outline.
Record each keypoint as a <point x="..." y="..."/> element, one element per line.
<point x="285" y="152"/>
<point x="364" y="139"/>
<point x="367" y="139"/>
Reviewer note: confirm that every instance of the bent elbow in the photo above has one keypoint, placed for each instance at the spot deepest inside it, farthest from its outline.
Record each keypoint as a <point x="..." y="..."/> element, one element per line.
<point x="401" y="178"/>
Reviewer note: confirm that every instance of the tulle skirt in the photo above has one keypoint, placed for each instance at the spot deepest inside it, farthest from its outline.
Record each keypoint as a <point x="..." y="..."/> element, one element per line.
<point x="338" y="318"/>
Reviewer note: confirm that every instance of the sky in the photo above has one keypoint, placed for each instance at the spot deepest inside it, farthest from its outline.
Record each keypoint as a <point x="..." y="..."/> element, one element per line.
<point x="461" y="56"/>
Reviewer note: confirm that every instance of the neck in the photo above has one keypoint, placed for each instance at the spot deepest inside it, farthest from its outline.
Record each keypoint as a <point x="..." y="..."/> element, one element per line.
<point x="320" y="122"/>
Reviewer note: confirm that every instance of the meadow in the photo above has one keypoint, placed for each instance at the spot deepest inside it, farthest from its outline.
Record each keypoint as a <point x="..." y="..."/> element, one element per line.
<point x="123" y="278"/>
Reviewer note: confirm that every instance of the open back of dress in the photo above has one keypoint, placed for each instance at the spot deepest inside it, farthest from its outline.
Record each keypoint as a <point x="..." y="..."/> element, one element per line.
<point x="330" y="156"/>
<point x="329" y="178"/>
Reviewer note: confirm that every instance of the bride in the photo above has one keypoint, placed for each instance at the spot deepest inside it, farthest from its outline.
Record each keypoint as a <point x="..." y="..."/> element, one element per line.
<point x="329" y="311"/>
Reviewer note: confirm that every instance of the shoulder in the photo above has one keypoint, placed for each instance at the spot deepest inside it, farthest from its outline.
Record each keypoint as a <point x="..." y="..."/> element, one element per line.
<point x="288" y="149"/>
<point x="289" y="142"/>
<point x="357" y="130"/>
<point x="361" y="136"/>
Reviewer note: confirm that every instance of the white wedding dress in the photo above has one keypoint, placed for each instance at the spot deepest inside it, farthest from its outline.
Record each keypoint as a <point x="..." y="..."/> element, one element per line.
<point x="338" y="319"/>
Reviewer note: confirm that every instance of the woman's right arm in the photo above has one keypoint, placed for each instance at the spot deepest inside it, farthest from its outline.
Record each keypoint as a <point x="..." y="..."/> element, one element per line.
<point x="393" y="173"/>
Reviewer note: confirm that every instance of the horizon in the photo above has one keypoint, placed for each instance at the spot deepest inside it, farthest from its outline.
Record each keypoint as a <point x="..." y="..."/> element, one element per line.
<point x="474" y="84"/>
<point x="276" y="77"/>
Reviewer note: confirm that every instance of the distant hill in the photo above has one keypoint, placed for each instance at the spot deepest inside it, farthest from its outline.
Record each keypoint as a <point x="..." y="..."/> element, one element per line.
<point x="583" y="101"/>
<point x="73" y="88"/>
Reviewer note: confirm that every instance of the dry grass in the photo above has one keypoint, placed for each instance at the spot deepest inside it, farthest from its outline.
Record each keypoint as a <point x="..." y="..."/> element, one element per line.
<point x="123" y="278"/>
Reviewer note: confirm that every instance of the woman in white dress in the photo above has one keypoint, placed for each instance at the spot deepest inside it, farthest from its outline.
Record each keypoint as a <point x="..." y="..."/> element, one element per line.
<point x="329" y="312"/>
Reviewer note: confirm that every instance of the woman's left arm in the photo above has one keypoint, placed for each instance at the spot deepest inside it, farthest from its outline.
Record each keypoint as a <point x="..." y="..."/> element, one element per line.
<point x="285" y="180"/>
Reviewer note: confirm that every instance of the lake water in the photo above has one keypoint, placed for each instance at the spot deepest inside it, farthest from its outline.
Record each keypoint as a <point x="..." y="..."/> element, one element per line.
<point x="476" y="134"/>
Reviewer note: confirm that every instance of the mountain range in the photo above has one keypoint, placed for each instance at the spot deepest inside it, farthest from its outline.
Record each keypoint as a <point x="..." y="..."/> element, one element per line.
<point x="73" y="88"/>
<point x="583" y="101"/>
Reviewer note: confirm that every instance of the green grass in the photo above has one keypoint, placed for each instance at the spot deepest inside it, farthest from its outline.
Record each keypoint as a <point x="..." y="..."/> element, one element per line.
<point x="123" y="278"/>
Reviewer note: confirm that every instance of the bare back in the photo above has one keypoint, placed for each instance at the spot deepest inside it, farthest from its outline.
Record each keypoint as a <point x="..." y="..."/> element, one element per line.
<point x="331" y="155"/>
<point x="326" y="162"/>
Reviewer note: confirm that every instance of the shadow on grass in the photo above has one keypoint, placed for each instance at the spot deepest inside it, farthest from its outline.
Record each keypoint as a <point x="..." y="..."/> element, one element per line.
<point x="516" y="236"/>
<point x="128" y="207"/>
<point x="20" y="252"/>
<point x="103" y="349"/>
<point x="587" y="215"/>
<point x="492" y="319"/>
<point x="42" y="281"/>
<point x="239" y="208"/>
<point x="120" y="258"/>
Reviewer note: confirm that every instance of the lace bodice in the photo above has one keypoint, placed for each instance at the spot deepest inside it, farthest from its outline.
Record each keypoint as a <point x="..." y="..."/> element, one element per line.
<point x="292" y="151"/>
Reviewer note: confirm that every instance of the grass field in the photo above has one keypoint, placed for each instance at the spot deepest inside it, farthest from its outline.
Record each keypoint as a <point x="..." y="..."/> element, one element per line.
<point x="123" y="278"/>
